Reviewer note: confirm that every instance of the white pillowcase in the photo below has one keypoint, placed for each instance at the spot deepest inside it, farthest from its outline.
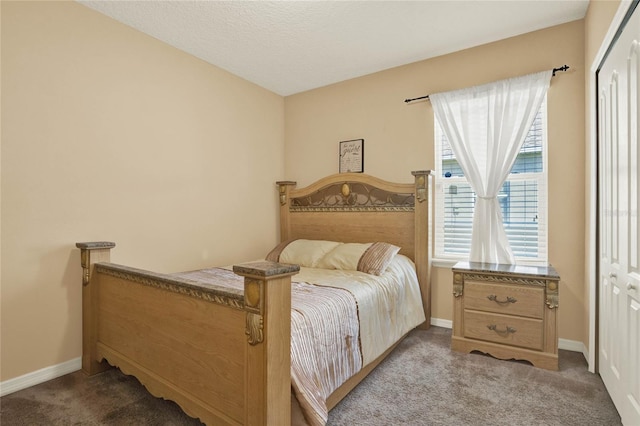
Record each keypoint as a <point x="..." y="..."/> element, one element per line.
<point x="371" y="258"/>
<point x="344" y="257"/>
<point x="306" y="252"/>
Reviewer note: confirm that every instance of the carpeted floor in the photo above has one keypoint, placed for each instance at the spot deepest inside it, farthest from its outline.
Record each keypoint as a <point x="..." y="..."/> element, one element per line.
<point x="421" y="383"/>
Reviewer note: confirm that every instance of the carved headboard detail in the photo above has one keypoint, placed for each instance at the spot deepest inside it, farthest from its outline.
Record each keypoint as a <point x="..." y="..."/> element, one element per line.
<point x="355" y="197"/>
<point x="384" y="209"/>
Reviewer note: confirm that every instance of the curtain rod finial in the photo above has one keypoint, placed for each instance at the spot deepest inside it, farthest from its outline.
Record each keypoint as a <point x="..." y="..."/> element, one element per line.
<point x="562" y="68"/>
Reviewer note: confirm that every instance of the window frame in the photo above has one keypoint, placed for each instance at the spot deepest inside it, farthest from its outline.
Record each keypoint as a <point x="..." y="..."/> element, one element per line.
<point x="442" y="258"/>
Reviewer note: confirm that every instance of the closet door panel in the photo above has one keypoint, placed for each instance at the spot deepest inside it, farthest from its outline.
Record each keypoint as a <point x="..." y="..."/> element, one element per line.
<point x="619" y="248"/>
<point x="631" y="413"/>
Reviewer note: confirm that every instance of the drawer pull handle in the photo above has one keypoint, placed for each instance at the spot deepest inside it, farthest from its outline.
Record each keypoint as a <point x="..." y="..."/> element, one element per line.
<point x="494" y="298"/>
<point x="508" y="330"/>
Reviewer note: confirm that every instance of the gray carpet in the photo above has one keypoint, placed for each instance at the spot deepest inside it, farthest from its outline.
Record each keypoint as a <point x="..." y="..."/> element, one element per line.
<point x="421" y="383"/>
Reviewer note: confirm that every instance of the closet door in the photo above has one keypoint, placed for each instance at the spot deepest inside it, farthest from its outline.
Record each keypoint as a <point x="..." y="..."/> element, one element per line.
<point x="619" y="280"/>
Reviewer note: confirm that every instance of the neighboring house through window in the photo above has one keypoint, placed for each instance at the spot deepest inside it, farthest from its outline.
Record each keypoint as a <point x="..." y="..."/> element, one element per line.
<point x="523" y="199"/>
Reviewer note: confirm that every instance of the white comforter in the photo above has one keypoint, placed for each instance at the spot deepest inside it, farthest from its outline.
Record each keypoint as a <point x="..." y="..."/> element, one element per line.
<point x="389" y="305"/>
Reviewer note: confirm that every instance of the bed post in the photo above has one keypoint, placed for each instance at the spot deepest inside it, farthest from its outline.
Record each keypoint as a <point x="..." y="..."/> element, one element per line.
<point x="90" y="254"/>
<point x="423" y="183"/>
<point x="267" y="300"/>
<point x="285" y="224"/>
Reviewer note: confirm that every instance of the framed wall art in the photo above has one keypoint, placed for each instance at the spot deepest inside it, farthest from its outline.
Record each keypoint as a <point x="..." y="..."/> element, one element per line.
<point x="352" y="156"/>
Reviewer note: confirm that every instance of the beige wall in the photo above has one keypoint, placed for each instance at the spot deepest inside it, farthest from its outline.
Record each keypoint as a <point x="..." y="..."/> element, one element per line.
<point x="399" y="138"/>
<point x="108" y="134"/>
<point x="177" y="154"/>
<point x="597" y="21"/>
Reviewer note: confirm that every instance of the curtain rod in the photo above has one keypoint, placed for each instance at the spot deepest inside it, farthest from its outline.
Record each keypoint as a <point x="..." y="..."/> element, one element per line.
<point x="555" y="70"/>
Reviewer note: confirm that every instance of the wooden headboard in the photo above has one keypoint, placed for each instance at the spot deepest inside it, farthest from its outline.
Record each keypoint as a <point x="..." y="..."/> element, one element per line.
<point x="359" y="208"/>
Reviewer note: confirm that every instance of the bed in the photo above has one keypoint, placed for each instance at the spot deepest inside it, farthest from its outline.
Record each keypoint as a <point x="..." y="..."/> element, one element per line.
<point x="218" y="342"/>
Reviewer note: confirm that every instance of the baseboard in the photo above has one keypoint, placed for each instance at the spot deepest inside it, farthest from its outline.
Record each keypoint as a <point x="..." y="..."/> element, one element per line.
<point x="564" y="344"/>
<point x="573" y="346"/>
<point x="40" y="376"/>
<point x="438" y="322"/>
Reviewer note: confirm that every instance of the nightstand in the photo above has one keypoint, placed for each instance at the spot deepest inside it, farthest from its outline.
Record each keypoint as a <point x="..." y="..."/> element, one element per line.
<point x="507" y="311"/>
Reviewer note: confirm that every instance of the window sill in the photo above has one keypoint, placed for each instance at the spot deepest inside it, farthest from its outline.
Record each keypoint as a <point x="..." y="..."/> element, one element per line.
<point x="449" y="263"/>
<point x="444" y="263"/>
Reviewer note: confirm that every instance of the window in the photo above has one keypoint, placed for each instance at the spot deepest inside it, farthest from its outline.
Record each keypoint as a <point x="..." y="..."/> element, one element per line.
<point x="523" y="199"/>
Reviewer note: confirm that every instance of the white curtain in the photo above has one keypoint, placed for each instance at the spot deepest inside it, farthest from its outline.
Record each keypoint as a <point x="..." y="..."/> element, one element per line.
<point x="486" y="126"/>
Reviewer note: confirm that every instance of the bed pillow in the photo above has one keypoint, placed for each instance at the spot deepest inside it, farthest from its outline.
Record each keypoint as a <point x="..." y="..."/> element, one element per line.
<point x="301" y="252"/>
<point x="344" y="256"/>
<point x="371" y="258"/>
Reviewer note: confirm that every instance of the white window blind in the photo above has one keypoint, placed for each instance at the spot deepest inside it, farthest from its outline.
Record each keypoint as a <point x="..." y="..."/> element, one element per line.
<point x="523" y="199"/>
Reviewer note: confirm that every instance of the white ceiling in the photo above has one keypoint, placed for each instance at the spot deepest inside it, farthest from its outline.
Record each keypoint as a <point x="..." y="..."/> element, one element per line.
<point x="292" y="46"/>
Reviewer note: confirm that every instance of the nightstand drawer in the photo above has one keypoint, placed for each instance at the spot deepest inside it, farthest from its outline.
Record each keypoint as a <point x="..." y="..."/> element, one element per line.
<point x="526" y="301"/>
<point x="504" y="329"/>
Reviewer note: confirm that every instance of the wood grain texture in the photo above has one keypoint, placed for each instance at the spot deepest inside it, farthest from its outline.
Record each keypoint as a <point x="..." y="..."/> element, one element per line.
<point x="91" y="362"/>
<point x="423" y="238"/>
<point x="525" y="301"/>
<point x="539" y="359"/>
<point x="196" y="345"/>
<point x="508" y="329"/>
<point x="551" y="331"/>
<point x="268" y="369"/>
<point x="193" y="349"/>
<point x="524" y="328"/>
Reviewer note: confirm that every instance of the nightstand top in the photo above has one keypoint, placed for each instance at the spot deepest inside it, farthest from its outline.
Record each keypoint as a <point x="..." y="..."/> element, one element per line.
<point x="547" y="272"/>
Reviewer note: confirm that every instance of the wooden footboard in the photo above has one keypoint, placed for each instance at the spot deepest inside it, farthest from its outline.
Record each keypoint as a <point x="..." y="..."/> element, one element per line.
<point x="223" y="356"/>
